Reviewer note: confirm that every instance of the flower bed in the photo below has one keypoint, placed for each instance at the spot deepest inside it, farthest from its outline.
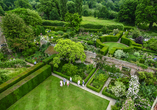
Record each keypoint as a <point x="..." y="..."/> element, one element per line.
<point x="98" y="80"/>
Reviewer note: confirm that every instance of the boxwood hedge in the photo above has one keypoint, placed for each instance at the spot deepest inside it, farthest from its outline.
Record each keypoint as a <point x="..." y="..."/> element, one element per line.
<point x="104" y="50"/>
<point x="53" y="23"/>
<point x="108" y="94"/>
<point x="19" y="77"/>
<point x="18" y="90"/>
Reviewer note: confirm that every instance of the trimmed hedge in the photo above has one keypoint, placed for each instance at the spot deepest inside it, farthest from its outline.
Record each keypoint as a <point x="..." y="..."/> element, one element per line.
<point x="128" y="28"/>
<point x="53" y="23"/>
<point x="89" y="75"/>
<point x="108" y="38"/>
<point x="146" y="50"/>
<point x="111" y="38"/>
<point x="60" y="74"/>
<point x="49" y="59"/>
<point x="99" y="44"/>
<point x="109" y="27"/>
<point x="19" y="77"/>
<point x="55" y="28"/>
<point x="68" y="77"/>
<point x="127" y="41"/>
<point x="11" y="95"/>
<point x="104" y="50"/>
<point x="108" y="94"/>
<point x="92" y="30"/>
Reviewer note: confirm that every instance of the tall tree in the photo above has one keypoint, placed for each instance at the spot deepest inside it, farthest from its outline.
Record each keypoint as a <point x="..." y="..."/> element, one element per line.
<point x="22" y="4"/>
<point x="63" y="8"/>
<point x="127" y="11"/>
<point x="71" y="6"/>
<point x="73" y="21"/>
<point x="146" y="12"/>
<point x="103" y="13"/>
<point x="69" y="50"/>
<point x="47" y="6"/>
<point x="78" y="5"/>
<point x="18" y="34"/>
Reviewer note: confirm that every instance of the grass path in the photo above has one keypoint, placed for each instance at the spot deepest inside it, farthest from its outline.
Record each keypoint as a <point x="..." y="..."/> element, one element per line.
<point x="50" y="96"/>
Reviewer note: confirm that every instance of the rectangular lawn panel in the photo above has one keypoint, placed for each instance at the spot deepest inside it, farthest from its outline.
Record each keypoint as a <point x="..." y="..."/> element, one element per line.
<point x="50" y="96"/>
<point x="113" y="44"/>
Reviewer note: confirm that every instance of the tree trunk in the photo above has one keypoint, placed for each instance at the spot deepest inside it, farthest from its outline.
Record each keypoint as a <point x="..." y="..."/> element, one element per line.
<point x="150" y="25"/>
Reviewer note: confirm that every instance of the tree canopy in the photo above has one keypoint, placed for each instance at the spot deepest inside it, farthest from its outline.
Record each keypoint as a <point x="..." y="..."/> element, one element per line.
<point x="127" y="11"/>
<point x="73" y="20"/>
<point x="146" y="12"/>
<point x="69" y="50"/>
<point x="22" y="4"/>
<point x="47" y="6"/>
<point x="18" y="34"/>
<point x="30" y="17"/>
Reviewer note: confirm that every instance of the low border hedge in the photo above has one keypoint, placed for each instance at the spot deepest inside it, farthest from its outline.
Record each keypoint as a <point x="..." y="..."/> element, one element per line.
<point x="111" y="38"/>
<point x="68" y="77"/>
<point x="17" y="91"/>
<point x="19" y="77"/>
<point x="104" y="50"/>
<point x="108" y="94"/>
<point x="93" y="88"/>
<point x="89" y="75"/>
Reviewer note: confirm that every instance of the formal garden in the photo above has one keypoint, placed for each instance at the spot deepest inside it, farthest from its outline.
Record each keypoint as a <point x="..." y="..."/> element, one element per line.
<point x="112" y="54"/>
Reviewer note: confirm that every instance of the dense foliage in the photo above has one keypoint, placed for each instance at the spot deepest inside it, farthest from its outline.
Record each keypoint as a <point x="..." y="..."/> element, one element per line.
<point x="69" y="50"/>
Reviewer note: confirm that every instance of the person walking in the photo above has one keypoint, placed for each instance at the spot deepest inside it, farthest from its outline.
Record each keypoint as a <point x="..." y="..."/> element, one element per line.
<point x="67" y="83"/>
<point x="83" y="83"/>
<point x="70" y="79"/>
<point x="64" y="80"/>
<point x="61" y="83"/>
<point x="78" y="82"/>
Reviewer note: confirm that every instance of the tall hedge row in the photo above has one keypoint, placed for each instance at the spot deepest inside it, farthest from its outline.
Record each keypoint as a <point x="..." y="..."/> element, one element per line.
<point x="19" y="77"/>
<point x="11" y="95"/>
<point x="88" y="26"/>
<point x="111" y="38"/>
<point x="53" y="23"/>
<point x="98" y="26"/>
<point x="128" y="41"/>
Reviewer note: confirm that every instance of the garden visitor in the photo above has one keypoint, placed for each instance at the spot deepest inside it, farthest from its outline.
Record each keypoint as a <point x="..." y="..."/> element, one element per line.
<point x="35" y="63"/>
<point x="64" y="80"/>
<point x="67" y="83"/>
<point x="78" y="82"/>
<point x="61" y="84"/>
<point x="70" y="79"/>
<point x="83" y="83"/>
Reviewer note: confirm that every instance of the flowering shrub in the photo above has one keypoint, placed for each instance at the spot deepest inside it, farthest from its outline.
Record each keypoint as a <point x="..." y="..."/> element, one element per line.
<point x="118" y="89"/>
<point x="119" y="54"/>
<point x="128" y="105"/>
<point x="143" y="104"/>
<point x="133" y="87"/>
<point x="137" y="54"/>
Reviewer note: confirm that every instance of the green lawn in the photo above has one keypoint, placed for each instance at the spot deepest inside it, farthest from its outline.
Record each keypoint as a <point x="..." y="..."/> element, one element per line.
<point x="50" y="96"/>
<point x="114" y="44"/>
<point x="92" y="20"/>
